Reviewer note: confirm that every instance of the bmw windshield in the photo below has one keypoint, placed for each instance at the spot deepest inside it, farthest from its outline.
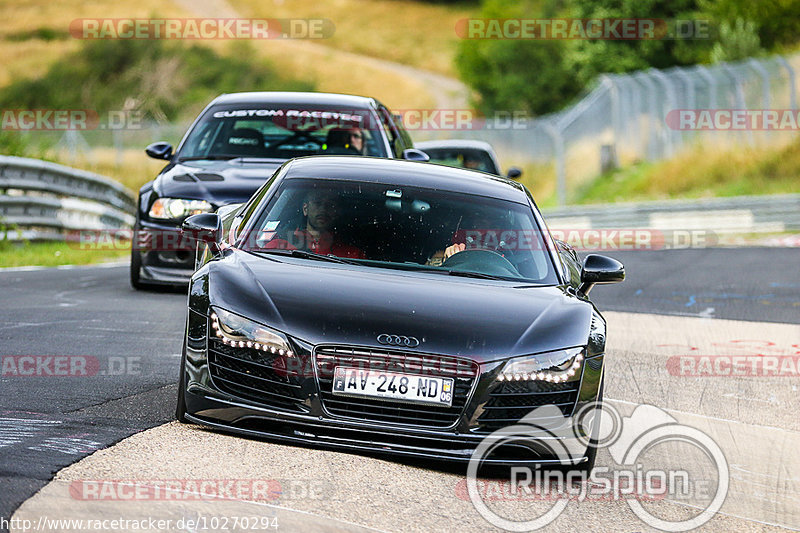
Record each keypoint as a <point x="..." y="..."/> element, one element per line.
<point x="282" y="132"/>
<point x="402" y="227"/>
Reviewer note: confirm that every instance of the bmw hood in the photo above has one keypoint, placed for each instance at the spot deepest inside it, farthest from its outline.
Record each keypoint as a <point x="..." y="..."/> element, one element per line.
<point x="327" y="303"/>
<point x="219" y="182"/>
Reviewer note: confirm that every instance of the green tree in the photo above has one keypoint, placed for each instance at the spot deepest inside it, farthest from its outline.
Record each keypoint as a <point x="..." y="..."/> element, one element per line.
<point x="736" y="41"/>
<point x="516" y="75"/>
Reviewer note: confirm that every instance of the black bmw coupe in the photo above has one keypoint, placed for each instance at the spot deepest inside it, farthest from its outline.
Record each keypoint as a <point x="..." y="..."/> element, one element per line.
<point x="232" y="148"/>
<point x="390" y="306"/>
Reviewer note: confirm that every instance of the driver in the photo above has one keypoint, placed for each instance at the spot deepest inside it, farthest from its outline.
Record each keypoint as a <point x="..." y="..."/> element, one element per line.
<point x="346" y="140"/>
<point x="321" y="211"/>
<point x="461" y="241"/>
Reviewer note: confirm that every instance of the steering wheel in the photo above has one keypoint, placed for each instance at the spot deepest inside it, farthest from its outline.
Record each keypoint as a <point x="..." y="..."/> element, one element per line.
<point x="483" y="261"/>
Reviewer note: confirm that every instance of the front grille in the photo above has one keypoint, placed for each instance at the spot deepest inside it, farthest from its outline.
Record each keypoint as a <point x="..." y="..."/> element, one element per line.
<point x="463" y="372"/>
<point x="510" y="401"/>
<point x="254" y="375"/>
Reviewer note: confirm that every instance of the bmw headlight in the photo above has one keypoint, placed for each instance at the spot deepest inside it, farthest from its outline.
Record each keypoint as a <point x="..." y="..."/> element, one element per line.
<point x="178" y="208"/>
<point x="554" y="367"/>
<point x="241" y="332"/>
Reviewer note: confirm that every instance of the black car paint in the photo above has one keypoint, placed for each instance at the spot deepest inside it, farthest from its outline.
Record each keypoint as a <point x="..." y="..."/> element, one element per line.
<point x="318" y="304"/>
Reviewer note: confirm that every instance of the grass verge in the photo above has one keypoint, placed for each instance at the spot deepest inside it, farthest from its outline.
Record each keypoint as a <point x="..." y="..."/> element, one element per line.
<point x="700" y="172"/>
<point x="48" y="254"/>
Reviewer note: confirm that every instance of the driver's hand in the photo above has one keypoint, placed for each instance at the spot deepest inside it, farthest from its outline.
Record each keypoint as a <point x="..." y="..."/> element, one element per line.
<point x="454" y="249"/>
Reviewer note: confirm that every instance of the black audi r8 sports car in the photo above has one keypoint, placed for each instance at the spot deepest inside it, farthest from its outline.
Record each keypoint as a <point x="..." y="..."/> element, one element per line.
<point x="390" y="306"/>
<point x="232" y="148"/>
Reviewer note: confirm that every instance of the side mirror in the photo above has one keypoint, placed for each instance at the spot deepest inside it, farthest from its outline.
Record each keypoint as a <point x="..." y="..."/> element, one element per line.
<point x="514" y="173"/>
<point x="599" y="269"/>
<point x="204" y="227"/>
<point x="412" y="154"/>
<point x="159" y="150"/>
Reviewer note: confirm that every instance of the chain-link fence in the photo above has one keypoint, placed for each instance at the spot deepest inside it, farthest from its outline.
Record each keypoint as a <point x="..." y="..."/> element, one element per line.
<point x="653" y="114"/>
<point x="643" y="116"/>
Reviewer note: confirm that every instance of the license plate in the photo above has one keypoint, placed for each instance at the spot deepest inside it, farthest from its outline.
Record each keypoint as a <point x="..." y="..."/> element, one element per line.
<point x="362" y="383"/>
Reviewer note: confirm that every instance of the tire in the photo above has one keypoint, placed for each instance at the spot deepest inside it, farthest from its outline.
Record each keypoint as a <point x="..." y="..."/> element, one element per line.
<point x="591" y="453"/>
<point x="180" y="407"/>
<point x="136" y="269"/>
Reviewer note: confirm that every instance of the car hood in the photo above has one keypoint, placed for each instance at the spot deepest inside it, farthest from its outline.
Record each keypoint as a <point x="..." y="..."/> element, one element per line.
<point x="319" y="302"/>
<point x="219" y="182"/>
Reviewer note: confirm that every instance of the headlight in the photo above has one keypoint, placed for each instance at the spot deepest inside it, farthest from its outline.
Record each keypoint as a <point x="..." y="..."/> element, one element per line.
<point x="238" y="331"/>
<point x="554" y="367"/>
<point x="177" y="208"/>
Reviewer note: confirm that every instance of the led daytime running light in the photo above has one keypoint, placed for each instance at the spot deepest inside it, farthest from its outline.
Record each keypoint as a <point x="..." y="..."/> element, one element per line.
<point x="550" y="377"/>
<point x="234" y="343"/>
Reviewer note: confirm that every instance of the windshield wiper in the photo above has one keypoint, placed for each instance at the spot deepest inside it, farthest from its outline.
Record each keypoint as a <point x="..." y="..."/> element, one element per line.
<point x="221" y="157"/>
<point x="305" y="255"/>
<point x="462" y="273"/>
<point x="470" y="274"/>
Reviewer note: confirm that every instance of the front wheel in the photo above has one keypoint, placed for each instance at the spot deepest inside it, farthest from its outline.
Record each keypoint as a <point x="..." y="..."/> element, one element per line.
<point x="180" y="408"/>
<point x="136" y="272"/>
<point x="590" y="456"/>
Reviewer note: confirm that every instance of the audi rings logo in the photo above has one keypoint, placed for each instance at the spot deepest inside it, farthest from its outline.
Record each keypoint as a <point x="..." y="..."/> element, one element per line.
<point x="398" y="340"/>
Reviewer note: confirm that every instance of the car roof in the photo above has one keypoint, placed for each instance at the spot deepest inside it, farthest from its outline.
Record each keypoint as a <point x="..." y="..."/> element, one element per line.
<point x="455" y="143"/>
<point x="405" y="173"/>
<point x="295" y="98"/>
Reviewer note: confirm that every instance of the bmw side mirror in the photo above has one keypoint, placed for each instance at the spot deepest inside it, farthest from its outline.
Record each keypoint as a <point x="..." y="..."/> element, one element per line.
<point x="159" y="150"/>
<point x="204" y="227"/>
<point x="412" y="154"/>
<point x="514" y="173"/>
<point x="599" y="269"/>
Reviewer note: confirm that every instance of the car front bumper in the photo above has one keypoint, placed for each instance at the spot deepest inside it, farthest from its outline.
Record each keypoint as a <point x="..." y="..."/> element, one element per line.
<point x="167" y="258"/>
<point x="225" y="392"/>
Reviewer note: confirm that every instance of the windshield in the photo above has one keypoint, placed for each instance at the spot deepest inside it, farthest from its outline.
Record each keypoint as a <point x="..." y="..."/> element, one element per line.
<point x="283" y="132"/>
<point x="462" y="158"/>
<point x="402" y="227"/>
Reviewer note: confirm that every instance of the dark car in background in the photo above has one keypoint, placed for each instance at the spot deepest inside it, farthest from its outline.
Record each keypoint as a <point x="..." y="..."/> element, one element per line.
<point x="231" y="149"/>
<point x="319" y="317"/>
<point x="464" y="153"/>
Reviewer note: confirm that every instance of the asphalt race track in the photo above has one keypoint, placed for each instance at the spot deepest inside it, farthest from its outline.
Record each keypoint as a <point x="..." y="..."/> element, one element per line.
<point x="128" y="342"/>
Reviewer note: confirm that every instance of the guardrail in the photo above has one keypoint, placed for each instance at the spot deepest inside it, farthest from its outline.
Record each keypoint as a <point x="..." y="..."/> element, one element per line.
<point x="740" y="214"/>
<point x="43" y="200"/>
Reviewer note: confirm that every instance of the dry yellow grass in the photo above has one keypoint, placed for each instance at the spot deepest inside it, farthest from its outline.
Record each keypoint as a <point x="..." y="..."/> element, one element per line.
<point x="409" y="32"/>
<point x="32" y="57"/>
<point x="25" y="15"/>
<point x="333" y="72"/>
<point x="421" y="40"/>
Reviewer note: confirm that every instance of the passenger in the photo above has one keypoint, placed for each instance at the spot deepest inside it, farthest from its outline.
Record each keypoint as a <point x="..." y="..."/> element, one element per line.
<point x="317" y="233"/>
